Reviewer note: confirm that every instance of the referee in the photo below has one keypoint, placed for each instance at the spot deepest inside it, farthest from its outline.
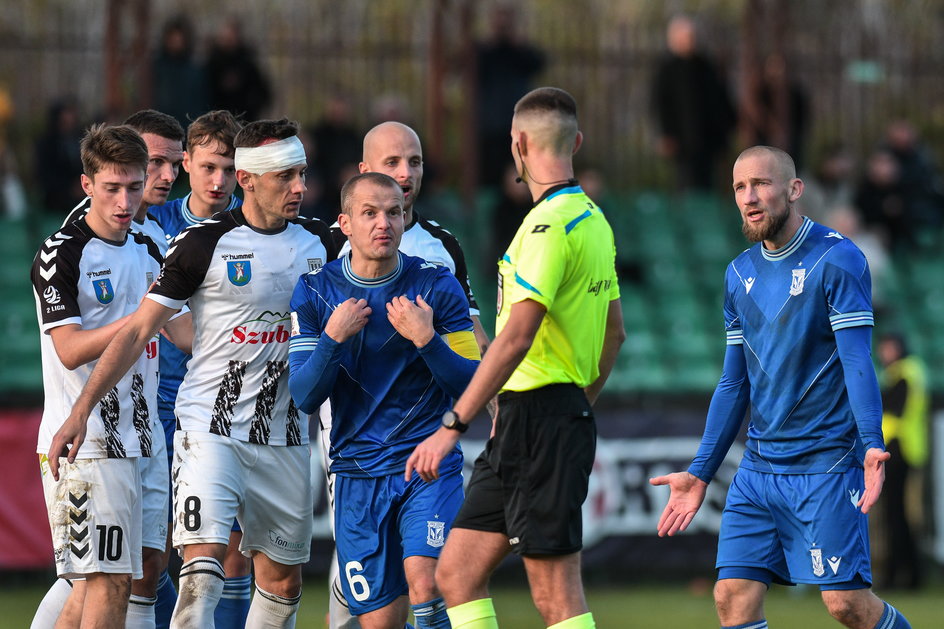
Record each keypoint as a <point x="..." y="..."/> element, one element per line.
<point x="559" y="329"/>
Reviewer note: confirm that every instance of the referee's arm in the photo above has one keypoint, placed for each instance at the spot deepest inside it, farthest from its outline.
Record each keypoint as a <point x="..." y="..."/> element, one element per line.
<point x="612" y="340"/>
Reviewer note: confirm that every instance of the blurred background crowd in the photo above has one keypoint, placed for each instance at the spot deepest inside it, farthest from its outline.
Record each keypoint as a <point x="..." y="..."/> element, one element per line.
<point x="669" y="93"/>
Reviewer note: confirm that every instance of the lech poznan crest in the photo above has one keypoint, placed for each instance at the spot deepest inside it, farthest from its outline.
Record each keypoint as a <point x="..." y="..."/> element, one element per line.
<point x="103" y="290"/>
<point x="817" y="556"/>
<point x="435" y="533"/>
<point x="796" y="285"/>
<point x="239" y="272"/>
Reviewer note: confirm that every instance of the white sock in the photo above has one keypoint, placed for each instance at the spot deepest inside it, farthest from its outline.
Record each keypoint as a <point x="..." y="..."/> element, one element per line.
<point x="140" y="612"/>
<point x="270" y="611"/>
<point x="199" y="590"/>
<point x="51" y="606"/>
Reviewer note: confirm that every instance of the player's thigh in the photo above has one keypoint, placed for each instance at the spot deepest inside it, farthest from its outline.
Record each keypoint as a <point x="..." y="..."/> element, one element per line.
<point x="155" y="495"/>
<point x="824" y="534"/>
<point x="95" y="516"/>
<point x="429" y="509"/>
<point x="276" y="515"/>
<point x="370" y="553"/>
<point x="749" y="539"/>
<point x="209" y="478"/>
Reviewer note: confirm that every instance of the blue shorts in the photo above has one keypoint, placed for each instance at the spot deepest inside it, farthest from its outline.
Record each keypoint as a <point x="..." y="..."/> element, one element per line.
<point x="796" y="528"/>
<point x="381" y="521"/>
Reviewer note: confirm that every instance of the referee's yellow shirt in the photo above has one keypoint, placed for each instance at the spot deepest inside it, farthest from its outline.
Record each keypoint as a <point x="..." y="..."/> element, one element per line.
<point x="563" y="257"/>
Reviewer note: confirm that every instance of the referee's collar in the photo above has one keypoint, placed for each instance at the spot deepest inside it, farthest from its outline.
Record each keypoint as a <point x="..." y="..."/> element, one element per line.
<point x="570" y="183"/>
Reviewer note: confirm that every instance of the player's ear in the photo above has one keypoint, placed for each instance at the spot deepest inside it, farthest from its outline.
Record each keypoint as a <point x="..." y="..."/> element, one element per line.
<point x="578" y="141"/>
<point x="344" y="222"/>
<point x="363" y="167"/>
<point x="244" y="178"/>
<point x="186" y="162"/>
<point x="796" y="189"/>
<point x="87" y="185"/>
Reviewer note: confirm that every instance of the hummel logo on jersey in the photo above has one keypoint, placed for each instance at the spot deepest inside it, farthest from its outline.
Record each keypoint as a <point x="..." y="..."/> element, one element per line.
<point x="834" y="235"/>
<point x="834" y="563"/>
<point x="854" y="497"/>
<point x="748" y="285"/>
<point x="540" y="229"/>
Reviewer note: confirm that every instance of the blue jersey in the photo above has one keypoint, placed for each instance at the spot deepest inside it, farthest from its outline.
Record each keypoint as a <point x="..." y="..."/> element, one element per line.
<point x="784" y="307"/>
<point x="175" y="216"/>
<point x="384" y="400"/>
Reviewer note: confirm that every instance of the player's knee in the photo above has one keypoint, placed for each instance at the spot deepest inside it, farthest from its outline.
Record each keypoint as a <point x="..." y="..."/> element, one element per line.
<point x="732" y="600"/>
<point x="423" y="587"/>
<point x="843" y="608"/>
<point x="287" y="584"/>
<point x="152" y="564"/>
<point x="445" y="579"/>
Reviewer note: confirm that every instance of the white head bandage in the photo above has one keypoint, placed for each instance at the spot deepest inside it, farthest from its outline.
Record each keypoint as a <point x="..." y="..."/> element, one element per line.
<point x="272" y="157"/>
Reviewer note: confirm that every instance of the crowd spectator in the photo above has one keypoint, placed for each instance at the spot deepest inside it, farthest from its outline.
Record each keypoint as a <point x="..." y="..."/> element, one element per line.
<point x="234" y="78"/>
<point x="179" y="87"/>
<point x="58" y="159"/>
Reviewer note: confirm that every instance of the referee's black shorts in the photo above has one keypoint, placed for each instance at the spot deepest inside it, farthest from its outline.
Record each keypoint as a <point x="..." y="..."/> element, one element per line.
<point x="531" y="481"/>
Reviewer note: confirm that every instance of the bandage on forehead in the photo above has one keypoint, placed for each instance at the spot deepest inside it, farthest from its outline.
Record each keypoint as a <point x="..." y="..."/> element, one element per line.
<point x="272" y="157"/>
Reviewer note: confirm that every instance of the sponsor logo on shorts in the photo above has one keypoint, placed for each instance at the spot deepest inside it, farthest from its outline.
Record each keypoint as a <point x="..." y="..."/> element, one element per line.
<point x="435" y="533"/>
<point x="513" y="541"/>
<point x="817" y="555"/>
<point x="281" y="542"/>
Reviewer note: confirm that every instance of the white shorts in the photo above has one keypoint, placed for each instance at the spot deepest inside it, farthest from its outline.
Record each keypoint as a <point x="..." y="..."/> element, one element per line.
<point x="95" y="516"/>
<point x="266" y="488"/>
<point x="155" y="493"/>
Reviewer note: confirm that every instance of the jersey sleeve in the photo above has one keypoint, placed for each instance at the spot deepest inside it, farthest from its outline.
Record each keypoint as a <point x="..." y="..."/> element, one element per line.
<point x="306" y="320"/>
<point x="539" y="269"/>
<point x="185" y="267"/>
<point x="847" y="284"/>
<point x="55" y="280"/>
<point x="732" y="320"/>
<point x="448" y="301"/>
<point x="321" y="229"/>
<point x="451" y="244"/>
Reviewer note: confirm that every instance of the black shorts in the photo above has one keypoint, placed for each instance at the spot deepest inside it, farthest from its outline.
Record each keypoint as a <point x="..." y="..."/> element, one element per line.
<point x="531" y="481"/>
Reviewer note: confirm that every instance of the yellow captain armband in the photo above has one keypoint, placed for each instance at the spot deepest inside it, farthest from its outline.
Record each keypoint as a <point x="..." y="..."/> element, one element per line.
<point x="464" y="344"/>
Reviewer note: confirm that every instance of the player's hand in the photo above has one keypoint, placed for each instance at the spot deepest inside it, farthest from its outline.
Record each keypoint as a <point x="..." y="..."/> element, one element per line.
<point x="72" y="432"/>
<point x="429" y="454"/>
<point x="874" y="477"/>
<point x="348" y="319"/>
<point x="414" y="321"/>
<point x="685" y="498"/>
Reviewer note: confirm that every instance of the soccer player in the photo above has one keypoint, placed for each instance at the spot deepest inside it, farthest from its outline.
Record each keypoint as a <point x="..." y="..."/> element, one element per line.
<point x="163" y="136"/>
<point x="798" y="316"/>
<point x="559" y="329"/>
<point x="241" y="449"/>
<point x="389" y="339"/>
<point x="209" y="160"/>
<point x="88" y="278"/>
<point x="394" y="149"/>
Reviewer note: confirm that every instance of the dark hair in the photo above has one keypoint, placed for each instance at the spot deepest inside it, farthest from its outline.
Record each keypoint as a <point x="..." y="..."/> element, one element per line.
<point x="214" y="126"/>
<point x="547" y="99"/>
<point x="120" y="146"/>
<point x="156" y="122"/>
<point x="378" y="179"/>
<point x="255" y="133"/>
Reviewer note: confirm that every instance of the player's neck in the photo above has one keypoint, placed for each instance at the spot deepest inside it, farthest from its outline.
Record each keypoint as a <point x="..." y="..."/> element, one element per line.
<point x="104" y="230"/>
<point x="546" y="177"/>
<point x="373" y="268"/>
<point x="260" y="219"/>
<point x="141" y="214"/>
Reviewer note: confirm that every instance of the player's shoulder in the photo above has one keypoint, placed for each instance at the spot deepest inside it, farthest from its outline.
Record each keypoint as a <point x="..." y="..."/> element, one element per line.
<point x="315" y="227"/>
<point x="204" y="236"/>
<point x="164" y="212"/>
<point x="837" y="248"/>
<point x="146" y="241"/>
<point x="79" y="211"/>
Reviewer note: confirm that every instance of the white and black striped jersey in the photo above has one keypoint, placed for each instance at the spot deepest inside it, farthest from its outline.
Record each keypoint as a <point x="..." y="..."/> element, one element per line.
<point x="238" y="281"/>
<point x="428" y="240"/>
<point x="151" y="226"/>
<point x="81" y="278"/>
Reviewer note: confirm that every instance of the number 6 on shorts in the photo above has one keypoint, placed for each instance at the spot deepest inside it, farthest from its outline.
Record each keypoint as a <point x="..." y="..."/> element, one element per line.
<point x="359" y="587"/>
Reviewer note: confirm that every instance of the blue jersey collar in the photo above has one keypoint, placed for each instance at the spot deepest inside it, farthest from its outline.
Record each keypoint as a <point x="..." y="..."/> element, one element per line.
<point x="798" y="238"/>
<point x="373" y="282"/>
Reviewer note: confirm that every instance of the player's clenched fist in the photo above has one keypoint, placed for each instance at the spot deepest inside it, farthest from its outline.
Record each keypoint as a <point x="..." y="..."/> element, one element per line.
<point x="348" y="319"/>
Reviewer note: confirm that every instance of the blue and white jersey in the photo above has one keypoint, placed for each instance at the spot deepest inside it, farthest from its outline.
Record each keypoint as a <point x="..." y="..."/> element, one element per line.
<point x="384" y="400"/>
<point x="175" y="216"/>
<point x="785" y="306"/>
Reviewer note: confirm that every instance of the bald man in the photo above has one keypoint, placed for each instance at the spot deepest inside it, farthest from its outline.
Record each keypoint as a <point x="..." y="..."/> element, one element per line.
<point x="798" y="317"/>
<point x="559" y="329"/>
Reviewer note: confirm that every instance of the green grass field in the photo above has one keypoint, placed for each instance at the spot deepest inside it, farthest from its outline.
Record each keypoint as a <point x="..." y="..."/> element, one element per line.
<point x="625" y="607"/>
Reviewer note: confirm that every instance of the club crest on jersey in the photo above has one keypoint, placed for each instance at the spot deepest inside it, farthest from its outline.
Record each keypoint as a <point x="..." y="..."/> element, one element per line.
<point x="239" y="272"/>
<point x="796" y="286"/>
<point x="314" y="264"/>
<point x="435" y="533"/>
<point x="103" y="290"/>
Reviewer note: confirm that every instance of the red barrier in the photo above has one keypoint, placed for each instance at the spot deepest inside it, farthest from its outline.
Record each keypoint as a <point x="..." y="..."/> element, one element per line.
<point x="24" y="528"/>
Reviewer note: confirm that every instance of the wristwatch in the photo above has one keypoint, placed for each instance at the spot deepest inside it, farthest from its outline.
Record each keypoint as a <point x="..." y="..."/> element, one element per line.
<point x="451" y="421"/>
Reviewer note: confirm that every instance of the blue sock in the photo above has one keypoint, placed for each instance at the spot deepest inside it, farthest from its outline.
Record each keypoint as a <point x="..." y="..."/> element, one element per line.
<point x="166" y="600"/>
<point x="892" y="619"/>
<point x="757" y="624"/>
<point x="431" y="615"/>
<point x="233" y="607"/>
